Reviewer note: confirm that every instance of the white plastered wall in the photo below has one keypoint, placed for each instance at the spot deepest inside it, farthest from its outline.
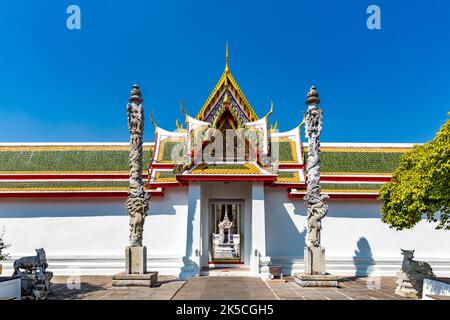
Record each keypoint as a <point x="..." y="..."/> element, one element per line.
<point x="356" y="241"/>
<point x="92" y="234"/>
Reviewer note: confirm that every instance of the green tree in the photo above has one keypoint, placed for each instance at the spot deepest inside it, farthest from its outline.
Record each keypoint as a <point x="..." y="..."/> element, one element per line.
<point x="420" y="185"/>
<point x="3" y="245"/>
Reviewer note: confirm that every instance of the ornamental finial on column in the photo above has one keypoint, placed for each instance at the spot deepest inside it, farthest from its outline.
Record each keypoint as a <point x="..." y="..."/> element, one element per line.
<point x="313" y="96"/>
<point x="136" y="95"/>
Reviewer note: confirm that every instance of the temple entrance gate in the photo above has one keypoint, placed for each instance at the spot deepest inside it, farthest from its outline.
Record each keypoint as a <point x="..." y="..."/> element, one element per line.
<point x="226" y="236"/>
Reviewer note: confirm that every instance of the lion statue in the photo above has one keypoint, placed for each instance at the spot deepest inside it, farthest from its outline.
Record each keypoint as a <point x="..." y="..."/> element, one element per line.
<point x="31" y="263"/>
<point x="410" y="277"/>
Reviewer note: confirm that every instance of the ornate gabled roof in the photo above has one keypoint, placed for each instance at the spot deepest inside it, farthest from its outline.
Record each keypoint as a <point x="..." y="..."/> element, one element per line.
<point x="166" y="142"/>
<point x="162" y="178"/>
<point x="227" y="85"/>
<point x="227" y="168"/>
<point x="102" y="169"/>
<point x="290" y="177"/>
<point x="246" y="171"/>
<point x="287" y="147"/>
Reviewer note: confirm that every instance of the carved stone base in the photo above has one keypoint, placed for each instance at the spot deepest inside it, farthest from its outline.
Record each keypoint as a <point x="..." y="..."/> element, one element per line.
<point x="135" y="280"/>
<point x="316" y="280"/>
<point x="135" y="274"/>
<point x="136" y="260"/>
<point x="407" y="286"/>
<point x="315" y="275"/>
<point x="314" y="258"/>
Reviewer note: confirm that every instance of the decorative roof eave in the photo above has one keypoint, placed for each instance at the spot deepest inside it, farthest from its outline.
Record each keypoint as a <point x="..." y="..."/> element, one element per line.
<point x="67" y="176"/>
<point x="224" y="177"/>
<point x="356" y="178"/>
<point x="291" y="166"/>
<point x="124" y="176"/>
<point x="154" y="185"/>
<point x="301" y="186"/>
<point x="73" y="194"/>
<point x="160" y="136"/>
<point x="226" y="76"/>
<point x="63" y="194"/>
<point x="338" y="195"/>
<point x="294" y="137"/>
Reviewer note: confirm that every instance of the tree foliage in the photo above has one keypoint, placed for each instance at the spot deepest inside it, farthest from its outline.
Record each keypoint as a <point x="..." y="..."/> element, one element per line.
<point x="3" y="245"/>
<point x="420" y="186"/>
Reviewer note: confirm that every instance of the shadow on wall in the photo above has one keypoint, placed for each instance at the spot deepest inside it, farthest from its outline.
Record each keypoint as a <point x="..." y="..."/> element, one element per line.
<point x="361" y="209"/>
<point x="363" y="259"/>
<point x="190" y="266"/>
<point x="283" y="237"/>
<point x="168" y="205"/>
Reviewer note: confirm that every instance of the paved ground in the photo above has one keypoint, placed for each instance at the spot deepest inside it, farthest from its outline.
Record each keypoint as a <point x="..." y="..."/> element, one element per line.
<point x="100" y="288"/>
<point x="225" y="288"/>
<point x="380" y="288"/>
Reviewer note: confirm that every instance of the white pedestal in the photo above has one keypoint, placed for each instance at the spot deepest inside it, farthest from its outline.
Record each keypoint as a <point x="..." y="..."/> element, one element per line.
<point x="10" y="287"/>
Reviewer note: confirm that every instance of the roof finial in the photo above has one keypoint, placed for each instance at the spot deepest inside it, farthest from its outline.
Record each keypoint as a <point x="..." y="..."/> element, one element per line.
<point x="312" y="97"/>
<point x="153" y="120"/>
<point x="271" y="109"/>
<point x="184" y="111"/>
<point x="227" y="69"/>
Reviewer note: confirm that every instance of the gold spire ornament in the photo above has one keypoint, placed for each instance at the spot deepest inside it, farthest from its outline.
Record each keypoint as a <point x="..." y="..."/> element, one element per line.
<point x="153" y="120"/>
<point x="184" y="111"/>
<point x="226" y="98"/>
<point x="273" y="127"/>
<point x="271" y="109"/>
<point x="179" y="128"/>
<point x="227" y="68"/>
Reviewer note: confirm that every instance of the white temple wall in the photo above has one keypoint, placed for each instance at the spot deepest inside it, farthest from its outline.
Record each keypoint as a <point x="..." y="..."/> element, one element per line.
<point x="89" y="235"/>
<point x="92" y="234"/>
<point x="356" y="241"/>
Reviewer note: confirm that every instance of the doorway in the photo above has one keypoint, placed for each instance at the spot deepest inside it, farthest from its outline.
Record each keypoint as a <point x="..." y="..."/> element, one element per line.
<point x="226" y="231"/>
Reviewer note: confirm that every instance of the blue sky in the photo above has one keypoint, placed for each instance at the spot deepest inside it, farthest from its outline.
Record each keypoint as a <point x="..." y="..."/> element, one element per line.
<point x="388" y="85"/>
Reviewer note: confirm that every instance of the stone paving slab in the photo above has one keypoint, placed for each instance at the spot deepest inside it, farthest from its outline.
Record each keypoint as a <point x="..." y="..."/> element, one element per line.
<point x="100" y="288"/>
<point x="352" y="288"/>
<point x="224" y="288"/>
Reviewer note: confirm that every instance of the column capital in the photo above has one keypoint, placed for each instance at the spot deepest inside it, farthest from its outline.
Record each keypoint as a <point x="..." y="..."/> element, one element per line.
<point x="312" y="97"/>
<point x="136" y="95"/>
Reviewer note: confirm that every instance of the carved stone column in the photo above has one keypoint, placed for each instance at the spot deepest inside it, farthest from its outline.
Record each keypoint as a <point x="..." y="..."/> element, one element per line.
<point x="314" y="253"/>
<point x="138" y="201"/>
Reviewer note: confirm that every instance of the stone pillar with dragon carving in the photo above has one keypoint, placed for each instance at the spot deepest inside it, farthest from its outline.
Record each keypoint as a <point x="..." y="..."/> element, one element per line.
<point x="314" y="253"/>
<point x="138" y="199"/>
<point x="137" y="202"/>
<point x="317" y="208"/>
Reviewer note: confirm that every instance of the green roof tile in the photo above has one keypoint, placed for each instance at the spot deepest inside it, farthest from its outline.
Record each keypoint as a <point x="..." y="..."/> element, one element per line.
<point x="350" y="186"/>
<point x="89" y="160"/>
<point x="63" y="184"/>
<point x="359" y="162"/>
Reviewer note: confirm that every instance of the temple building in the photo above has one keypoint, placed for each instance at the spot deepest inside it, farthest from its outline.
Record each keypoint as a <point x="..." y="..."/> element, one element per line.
<point x="226" y="190"/>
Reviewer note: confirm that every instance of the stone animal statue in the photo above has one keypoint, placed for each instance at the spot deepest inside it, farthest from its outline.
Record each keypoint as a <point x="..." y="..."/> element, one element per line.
<point x="410" y="277"/>
<point x="410" y="265"/>
<point x="31" y="263"/>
